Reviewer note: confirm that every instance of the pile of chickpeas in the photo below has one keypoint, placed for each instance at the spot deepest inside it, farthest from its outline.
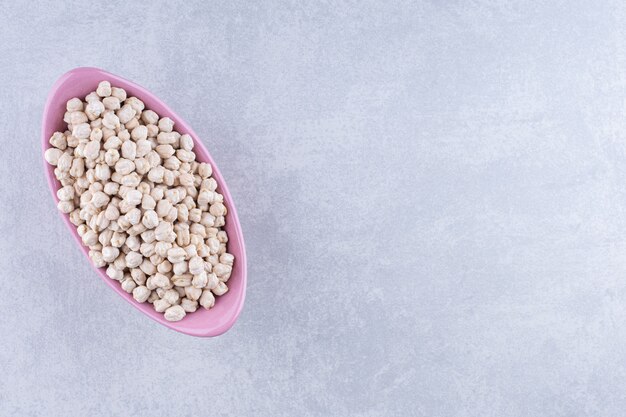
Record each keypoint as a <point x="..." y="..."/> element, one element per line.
<point x="147" y="210"/>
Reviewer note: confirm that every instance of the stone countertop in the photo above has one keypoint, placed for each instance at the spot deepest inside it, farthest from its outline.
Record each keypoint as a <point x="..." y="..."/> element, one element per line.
<point x="432" y="195"/>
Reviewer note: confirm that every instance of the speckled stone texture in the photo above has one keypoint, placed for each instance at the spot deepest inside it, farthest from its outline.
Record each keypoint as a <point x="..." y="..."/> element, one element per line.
<point x="433" y="196"/>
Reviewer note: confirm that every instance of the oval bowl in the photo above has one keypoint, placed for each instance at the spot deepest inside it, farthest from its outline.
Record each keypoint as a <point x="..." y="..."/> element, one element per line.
<point x="203" y="323"/>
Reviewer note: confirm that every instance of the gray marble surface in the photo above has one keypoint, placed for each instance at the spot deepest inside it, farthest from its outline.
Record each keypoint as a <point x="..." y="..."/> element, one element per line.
<point x="433" y="196"/>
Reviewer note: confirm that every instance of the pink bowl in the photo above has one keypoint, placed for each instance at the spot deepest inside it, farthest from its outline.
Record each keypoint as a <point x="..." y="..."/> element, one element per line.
<point x="203" y="323"/>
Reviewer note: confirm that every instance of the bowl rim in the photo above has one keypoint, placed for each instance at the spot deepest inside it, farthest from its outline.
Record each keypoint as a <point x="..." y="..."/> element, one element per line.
<point x="232" y="218"/>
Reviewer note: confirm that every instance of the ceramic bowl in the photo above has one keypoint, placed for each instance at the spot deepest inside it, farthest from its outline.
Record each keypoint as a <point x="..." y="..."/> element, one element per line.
<point x="203" y="323"/>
